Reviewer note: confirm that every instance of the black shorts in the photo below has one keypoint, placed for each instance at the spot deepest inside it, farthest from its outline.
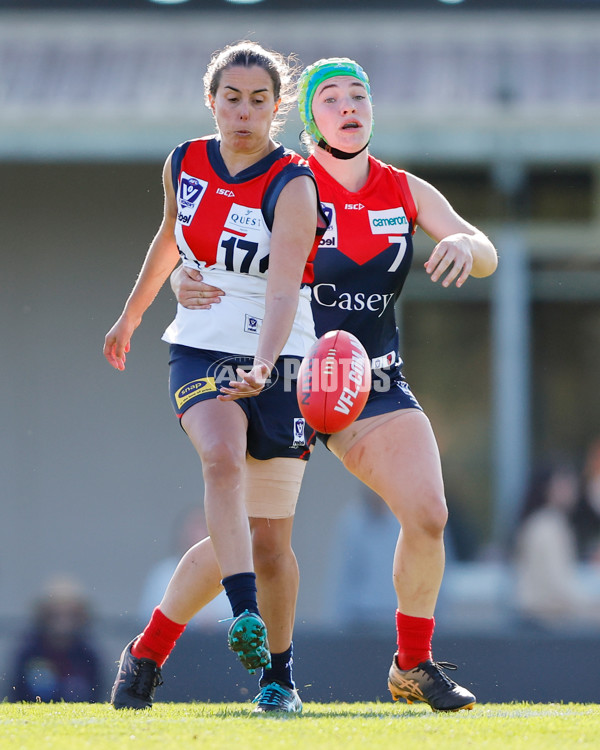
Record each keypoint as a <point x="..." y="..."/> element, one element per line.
<point x="389" y="392"/>
<point x="276" y="428"/>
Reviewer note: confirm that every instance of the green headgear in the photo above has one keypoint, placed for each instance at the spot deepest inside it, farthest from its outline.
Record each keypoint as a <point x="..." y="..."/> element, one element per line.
<point x="313" y="76"/>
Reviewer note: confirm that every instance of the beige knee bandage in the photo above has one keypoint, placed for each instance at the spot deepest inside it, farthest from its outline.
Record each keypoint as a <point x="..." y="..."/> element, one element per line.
<point x="273" y="486"/>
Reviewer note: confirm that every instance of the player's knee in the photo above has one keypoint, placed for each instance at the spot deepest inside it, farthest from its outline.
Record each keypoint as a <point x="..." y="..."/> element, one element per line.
<point x="434" y="515"/>
<point x="428" y="518"/>
<point x="221" y="464"/>
<point x="268" y="549"/>
<point x="268" y="561"/>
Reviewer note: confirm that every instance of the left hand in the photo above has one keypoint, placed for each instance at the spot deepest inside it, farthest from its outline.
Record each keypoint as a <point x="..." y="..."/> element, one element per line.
<point x="191" y="291"/>
<point x="249" y="384"/>
<point x="452" y="256"/>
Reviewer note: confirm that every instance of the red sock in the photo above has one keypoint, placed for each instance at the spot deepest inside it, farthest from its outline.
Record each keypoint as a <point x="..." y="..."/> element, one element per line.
<point x="158" y="639"/>
<point x="414" y="639"/>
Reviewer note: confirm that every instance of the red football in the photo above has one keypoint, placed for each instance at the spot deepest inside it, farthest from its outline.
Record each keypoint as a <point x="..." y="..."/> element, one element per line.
<point x="334" y="382"/>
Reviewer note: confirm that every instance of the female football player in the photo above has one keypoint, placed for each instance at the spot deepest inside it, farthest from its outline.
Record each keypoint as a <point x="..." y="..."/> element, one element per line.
<point x="237" y="204"/>
<point x="366" y="253"/>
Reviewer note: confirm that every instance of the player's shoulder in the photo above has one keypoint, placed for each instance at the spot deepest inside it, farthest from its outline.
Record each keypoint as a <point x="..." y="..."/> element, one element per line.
<point x="194" y="143"/>
<point x="420" y="189"/>
<point x="191" y="152"/>
<point x="387" y="179"/>
<point x="191" y="146"/>
<point x="289" y="165"/>
<point x="294" y="158"/>
<point x="386" y="169"/>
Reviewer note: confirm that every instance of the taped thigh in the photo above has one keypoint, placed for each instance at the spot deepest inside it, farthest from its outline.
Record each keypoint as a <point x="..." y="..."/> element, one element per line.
<point x="273" y="486"/>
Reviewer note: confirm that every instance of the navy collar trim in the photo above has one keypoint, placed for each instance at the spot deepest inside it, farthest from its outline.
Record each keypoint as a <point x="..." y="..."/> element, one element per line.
<point x="213" y="151"/>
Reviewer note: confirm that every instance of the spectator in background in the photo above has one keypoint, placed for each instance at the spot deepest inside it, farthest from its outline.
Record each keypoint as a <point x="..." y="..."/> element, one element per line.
<point x="548" y="591"/>
<point x="56" y="660"/>
<point x="363" y="546"/>
<point x="587" y="515"/>
<point x="190" y="528"/>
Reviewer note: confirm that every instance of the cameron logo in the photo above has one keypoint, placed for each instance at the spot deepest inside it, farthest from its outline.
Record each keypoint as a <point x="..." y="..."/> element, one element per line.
<point x="393" y="219"/>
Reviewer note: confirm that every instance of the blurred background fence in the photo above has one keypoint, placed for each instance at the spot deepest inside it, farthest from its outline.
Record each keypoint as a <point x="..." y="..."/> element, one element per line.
<point x="497" y="104"/>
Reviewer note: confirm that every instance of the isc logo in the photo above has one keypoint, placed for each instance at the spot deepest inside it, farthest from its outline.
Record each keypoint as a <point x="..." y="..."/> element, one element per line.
<point x="228" y="193"/>
<point x="354" y="206"/>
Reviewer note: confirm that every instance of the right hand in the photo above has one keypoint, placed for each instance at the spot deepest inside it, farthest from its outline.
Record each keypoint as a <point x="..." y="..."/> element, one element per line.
<point x="117" y="342"/>
<point x="191" y="292"/>
<point x="249" y="383"/>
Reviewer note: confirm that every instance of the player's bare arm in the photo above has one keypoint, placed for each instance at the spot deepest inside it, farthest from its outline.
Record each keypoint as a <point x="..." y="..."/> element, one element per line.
<point x="160" y="260"/>
<point x="462" y="250"/>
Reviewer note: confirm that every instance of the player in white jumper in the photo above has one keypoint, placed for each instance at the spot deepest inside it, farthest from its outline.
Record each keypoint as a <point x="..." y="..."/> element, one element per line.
<point x="246" y="211"/>
<point x="359" y="271"/>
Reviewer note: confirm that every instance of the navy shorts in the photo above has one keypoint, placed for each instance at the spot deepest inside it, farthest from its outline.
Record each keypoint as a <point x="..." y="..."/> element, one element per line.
<point x="389" y="392"/>
<point x="276" y="428"/>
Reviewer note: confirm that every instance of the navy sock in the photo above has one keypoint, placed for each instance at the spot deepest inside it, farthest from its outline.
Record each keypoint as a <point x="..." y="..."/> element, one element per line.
<point x="281" y="669"/>
<point x="241" y="592"/>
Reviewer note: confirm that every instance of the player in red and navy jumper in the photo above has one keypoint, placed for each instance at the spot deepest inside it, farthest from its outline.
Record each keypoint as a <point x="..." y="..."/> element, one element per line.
<point x="391" y="447"/>
<point x="245" y="211"/>
<point x="360" y="268"/>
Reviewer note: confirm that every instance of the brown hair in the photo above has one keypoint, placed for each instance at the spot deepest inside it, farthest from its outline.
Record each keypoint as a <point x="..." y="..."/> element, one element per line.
<point x="245" y="54"/>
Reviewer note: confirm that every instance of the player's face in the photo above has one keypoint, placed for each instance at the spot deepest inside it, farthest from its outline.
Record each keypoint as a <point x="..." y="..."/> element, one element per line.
<point x="343" y="113"/>
<point x="244" y="107"/>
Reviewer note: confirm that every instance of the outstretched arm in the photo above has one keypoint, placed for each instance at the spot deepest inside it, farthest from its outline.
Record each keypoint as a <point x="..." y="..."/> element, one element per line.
<point x="160" y="260"/>
<point x="462" y="250"/>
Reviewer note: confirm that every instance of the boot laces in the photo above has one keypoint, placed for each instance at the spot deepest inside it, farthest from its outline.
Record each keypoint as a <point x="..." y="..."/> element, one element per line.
<point x="435" y="671"/>
<point x="274" y="695"/>
<point x="147" y="678"/>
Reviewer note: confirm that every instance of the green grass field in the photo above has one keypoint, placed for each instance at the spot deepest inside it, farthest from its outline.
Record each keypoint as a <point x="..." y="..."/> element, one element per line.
<point x="322" y="725"/>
